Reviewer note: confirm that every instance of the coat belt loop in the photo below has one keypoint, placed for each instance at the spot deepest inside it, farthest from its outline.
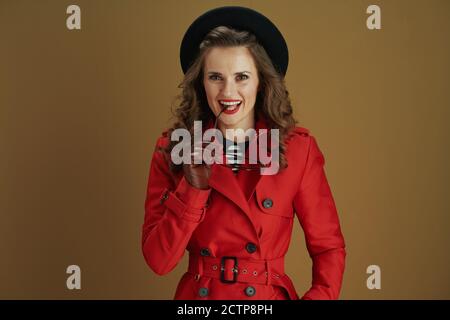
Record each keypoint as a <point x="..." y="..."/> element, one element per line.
<point x="268" y="272"/>
<point x="200" y="266"/>
<point x="197" y="266"/>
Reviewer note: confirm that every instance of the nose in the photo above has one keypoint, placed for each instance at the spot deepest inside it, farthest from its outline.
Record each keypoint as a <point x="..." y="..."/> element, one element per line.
<point x="228" y="88"/>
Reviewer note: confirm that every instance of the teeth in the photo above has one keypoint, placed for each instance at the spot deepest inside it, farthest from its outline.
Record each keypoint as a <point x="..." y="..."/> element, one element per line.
<point x="229" y="103"/>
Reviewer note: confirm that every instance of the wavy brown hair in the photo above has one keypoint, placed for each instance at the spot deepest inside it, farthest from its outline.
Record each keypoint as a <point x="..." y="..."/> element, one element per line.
<point x="272" y="101"/>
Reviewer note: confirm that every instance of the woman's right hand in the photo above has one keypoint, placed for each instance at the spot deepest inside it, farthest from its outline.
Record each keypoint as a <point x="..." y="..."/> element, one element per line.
<point x="197" y="174"/>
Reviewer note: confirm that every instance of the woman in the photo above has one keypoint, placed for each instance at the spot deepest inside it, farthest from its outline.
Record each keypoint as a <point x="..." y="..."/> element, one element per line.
<point x="234" y="221"/>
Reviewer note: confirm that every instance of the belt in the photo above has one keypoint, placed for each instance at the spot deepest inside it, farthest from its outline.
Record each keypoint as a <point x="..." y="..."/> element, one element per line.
<point x="233" y="269"/>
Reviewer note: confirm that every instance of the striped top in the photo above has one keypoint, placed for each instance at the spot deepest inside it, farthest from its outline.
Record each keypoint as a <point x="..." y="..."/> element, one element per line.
<point x="234" y="152"/>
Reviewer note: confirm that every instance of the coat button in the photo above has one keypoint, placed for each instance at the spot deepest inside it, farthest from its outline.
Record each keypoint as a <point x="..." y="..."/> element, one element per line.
<point x="250" y="247"/>
<point x="205" y="252"/>
<point x="203" y="292"/>
<point x="164" y="197"/>
<point x="267" y="203"/>
<point x="250" y="291"/>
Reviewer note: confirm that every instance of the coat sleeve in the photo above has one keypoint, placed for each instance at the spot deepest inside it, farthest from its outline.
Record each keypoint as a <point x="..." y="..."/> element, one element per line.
<point x="172" y="212"/>
<point x="317" y="214"/>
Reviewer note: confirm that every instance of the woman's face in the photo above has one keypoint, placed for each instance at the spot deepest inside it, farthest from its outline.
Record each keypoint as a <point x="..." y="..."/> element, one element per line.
<point x="231" y="78"/>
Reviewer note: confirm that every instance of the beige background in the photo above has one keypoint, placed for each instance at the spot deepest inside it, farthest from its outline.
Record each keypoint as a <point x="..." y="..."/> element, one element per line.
<point x="80" y="112"/>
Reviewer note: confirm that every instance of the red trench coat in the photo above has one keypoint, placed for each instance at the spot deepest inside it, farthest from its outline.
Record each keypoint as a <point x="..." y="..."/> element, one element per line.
<point x="237" y="246"/>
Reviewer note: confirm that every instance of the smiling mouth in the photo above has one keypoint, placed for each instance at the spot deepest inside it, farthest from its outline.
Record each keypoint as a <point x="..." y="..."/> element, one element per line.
<point x="230" y="106"/>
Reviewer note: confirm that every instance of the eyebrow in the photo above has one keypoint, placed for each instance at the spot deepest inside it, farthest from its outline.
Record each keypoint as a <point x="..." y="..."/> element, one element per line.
<point x="218" y="73"/>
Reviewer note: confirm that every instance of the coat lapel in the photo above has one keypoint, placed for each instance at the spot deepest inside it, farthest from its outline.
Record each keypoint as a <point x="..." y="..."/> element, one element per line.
<point x="222" y="180"/>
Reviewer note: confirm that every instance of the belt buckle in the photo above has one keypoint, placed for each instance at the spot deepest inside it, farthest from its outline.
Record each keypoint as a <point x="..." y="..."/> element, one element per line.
<point x="222" y="269"/>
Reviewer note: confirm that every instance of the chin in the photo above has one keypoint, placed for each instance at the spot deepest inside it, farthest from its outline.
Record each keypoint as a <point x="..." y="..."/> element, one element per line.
<point x="230" y="121"/>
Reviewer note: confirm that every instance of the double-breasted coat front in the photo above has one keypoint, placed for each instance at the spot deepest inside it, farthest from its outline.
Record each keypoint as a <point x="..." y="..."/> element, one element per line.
<point x="237" y="243"/>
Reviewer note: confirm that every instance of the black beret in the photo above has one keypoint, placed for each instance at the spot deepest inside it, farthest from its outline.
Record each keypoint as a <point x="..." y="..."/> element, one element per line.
<point x="240" y="18"/>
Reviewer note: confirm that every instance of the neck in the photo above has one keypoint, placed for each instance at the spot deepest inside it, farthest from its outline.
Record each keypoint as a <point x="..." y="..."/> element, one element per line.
<point x="237" y="136"/>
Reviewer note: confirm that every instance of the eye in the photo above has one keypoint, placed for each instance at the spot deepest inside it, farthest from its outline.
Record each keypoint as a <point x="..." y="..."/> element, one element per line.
<point x="214" y="77"/>
<point x="242" y="77"/>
